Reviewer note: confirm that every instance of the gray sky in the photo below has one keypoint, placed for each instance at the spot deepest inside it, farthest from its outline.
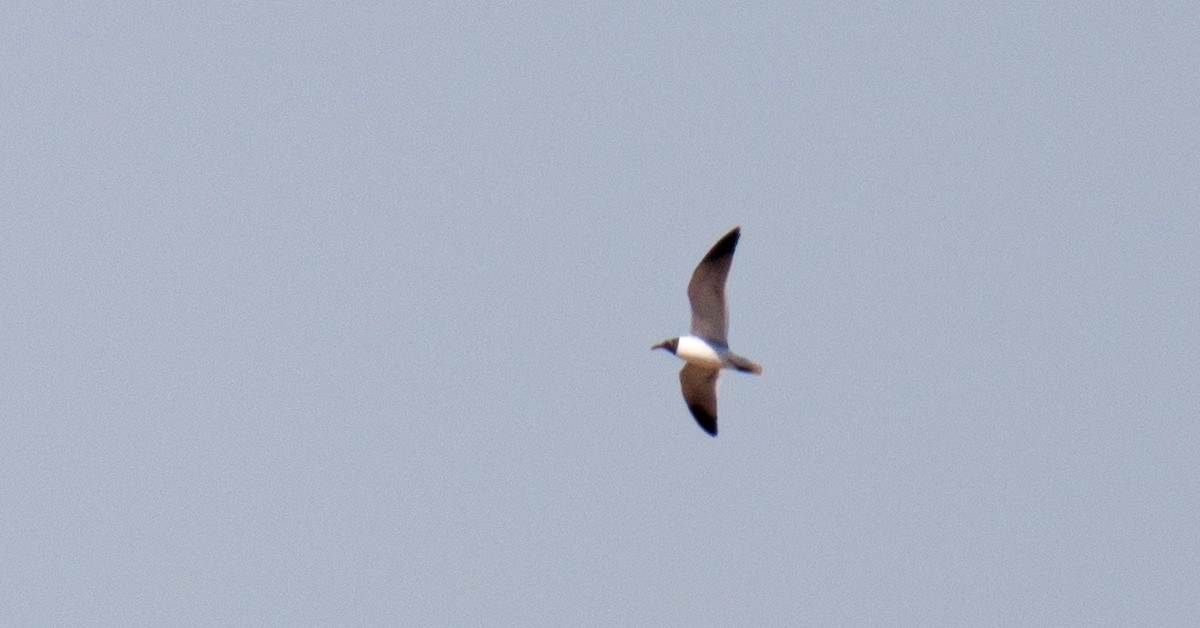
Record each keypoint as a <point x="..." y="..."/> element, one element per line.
<point x="342" y="315"/>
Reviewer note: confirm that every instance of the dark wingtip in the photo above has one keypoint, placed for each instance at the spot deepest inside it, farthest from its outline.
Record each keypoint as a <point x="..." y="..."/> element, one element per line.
<point x="707" y="422"/>
<point x="724" y="246"/>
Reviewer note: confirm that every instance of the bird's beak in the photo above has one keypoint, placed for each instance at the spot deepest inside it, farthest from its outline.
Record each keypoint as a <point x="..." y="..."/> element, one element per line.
<point x="661" y="345"/>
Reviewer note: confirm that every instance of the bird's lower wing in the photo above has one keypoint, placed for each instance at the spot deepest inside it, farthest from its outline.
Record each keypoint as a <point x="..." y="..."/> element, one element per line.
<point x="700" y="392"/>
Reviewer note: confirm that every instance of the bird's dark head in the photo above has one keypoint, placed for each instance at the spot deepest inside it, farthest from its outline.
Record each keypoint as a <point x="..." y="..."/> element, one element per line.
<point x="670" y="344"/>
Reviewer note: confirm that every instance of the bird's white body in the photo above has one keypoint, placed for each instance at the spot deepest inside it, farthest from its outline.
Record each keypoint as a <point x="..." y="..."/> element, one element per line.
<point x="696" y="350"/>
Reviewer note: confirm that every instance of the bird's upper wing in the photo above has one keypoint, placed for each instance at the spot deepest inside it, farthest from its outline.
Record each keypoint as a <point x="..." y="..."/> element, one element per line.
<point x="700" y="392"/>
<point x="706" y="290"/>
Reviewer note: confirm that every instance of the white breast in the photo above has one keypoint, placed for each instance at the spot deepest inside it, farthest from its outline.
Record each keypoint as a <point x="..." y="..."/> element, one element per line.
<point x="698" y="352"/>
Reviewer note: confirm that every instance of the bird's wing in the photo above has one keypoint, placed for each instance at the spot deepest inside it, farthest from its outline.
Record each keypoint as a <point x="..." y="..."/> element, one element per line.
<point x="700" y="392"/>
<point x="706" y="290"/>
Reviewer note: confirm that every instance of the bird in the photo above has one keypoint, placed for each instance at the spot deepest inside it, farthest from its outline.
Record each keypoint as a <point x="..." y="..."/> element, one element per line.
<point x="706" y="349"/>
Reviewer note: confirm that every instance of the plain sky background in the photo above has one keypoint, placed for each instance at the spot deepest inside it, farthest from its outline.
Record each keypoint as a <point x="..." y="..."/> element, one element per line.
<point x="341" y="314"/>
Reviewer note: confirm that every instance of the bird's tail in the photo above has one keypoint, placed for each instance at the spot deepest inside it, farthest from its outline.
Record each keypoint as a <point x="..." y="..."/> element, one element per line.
<point x="744" y="365"/>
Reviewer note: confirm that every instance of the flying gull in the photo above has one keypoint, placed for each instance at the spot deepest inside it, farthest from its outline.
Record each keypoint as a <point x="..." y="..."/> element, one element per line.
<point x="706" y="349"/>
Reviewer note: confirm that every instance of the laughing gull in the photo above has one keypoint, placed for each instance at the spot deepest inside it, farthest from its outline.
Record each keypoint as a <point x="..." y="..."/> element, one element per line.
<point x="706" y="349"/>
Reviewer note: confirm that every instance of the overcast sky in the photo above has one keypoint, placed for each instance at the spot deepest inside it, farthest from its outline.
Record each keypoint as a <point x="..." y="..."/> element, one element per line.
<point x="342" y="315"/>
